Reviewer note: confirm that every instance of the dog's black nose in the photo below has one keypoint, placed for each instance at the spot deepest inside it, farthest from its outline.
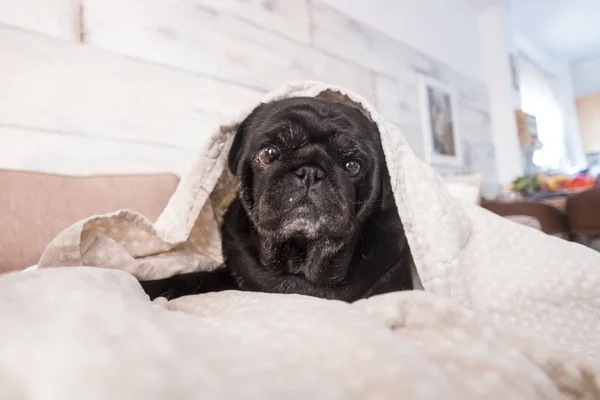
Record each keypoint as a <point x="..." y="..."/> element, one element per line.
<point x="310" y="175"/>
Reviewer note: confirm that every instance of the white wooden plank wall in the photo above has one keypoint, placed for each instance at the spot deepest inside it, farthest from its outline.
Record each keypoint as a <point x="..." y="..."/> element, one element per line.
<point x="66" y="87"/>
<point x="56" y="18"/>
<point x="60" y="153"/>
<point x="181" y="34"/>
<point x="110" y="78"/>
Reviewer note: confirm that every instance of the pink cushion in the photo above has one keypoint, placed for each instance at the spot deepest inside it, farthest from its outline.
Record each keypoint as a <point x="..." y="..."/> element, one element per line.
<point x="36" y="207"/>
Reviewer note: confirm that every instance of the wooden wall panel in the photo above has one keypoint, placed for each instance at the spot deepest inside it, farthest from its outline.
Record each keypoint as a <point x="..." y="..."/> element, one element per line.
<point x="474" y="124"/>
<point x="34" y="150"/>
<point x="286" y="17"/>
<point x="155" y="77"/>
<point x="56" y="18"/>
<point x="57" y="86"/>
<point x="398" y="101"/>
<point x="338" y="34"/>
<point x="182" y="34"/>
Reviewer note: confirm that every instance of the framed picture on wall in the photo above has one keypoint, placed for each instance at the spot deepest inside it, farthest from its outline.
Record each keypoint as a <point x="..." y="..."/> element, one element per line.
<point x="439" y="120"/>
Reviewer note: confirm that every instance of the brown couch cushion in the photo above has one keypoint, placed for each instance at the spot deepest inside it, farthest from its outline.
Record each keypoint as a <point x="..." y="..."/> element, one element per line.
<point x="35" y="207"/>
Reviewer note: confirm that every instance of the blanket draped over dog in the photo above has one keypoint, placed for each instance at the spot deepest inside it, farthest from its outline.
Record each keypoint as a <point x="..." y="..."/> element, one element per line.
<point x="505" y="311"/>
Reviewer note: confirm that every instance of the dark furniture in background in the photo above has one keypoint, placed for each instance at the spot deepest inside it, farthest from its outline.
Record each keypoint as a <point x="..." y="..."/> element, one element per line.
<point x="575" y="217"/>
<point x="583" y="213"/>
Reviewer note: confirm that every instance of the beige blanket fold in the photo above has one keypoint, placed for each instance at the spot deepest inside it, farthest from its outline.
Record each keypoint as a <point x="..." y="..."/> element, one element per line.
<point x="507" y="312"/>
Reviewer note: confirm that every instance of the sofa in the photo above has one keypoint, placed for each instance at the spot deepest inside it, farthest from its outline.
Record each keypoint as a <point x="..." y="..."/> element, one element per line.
<point x="35" y="207"/>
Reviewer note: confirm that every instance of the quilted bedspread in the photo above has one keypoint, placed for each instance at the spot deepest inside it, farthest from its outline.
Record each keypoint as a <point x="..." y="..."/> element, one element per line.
<point x="505" y="311"/>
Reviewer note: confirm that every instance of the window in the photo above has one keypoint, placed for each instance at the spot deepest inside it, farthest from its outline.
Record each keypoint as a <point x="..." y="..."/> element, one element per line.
<point x="539" y="98"/>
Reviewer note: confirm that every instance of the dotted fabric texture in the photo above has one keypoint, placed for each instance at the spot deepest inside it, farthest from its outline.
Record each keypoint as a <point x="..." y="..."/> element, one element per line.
<point x="91" y="333"/>
<point x="512" y="274"/>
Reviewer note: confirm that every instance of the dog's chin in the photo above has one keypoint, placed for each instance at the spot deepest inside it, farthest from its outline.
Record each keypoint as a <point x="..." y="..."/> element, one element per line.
<point x="302" y="228"/>
<point x="302" y="224"/>
<point x="306" y="217"/>
<point x="297" y="227"/>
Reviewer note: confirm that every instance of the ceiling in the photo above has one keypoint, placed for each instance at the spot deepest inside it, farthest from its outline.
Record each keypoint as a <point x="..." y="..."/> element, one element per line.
<point x="564" y="29"/>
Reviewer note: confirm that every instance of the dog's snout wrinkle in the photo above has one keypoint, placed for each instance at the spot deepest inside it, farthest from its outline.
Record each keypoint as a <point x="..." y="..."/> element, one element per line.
<point x="310" y="175"/>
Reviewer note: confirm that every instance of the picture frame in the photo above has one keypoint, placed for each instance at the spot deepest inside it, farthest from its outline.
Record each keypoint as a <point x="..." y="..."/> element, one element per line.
<point x="439" y="120"/>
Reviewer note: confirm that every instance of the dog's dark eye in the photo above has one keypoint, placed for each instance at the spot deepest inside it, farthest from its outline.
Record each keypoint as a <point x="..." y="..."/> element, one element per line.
<point x="268" y="154"/>
<point x="353" y="168"/>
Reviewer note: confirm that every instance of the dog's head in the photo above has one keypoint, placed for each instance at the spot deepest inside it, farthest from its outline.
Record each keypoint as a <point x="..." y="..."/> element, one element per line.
<point x="309" y="169"/>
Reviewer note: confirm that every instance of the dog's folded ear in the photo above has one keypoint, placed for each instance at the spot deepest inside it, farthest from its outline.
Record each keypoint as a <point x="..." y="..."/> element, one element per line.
<point x="236" y="147"/>
<point x="239" y="140"/>
<point x="387" y="194"/>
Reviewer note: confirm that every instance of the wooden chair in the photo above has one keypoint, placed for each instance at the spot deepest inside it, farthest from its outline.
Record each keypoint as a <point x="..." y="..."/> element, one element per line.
<point x="583" y="213"/>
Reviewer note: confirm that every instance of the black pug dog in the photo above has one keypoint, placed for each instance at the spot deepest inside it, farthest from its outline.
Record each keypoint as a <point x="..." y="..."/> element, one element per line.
<point x="314" y="215"/>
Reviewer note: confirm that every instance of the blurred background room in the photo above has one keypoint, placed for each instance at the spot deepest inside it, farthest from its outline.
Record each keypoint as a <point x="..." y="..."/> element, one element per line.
<point x="104" y="103"/>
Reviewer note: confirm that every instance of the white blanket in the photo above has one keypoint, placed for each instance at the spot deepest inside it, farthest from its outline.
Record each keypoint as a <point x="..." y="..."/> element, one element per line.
<point x="510" y="313"/>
